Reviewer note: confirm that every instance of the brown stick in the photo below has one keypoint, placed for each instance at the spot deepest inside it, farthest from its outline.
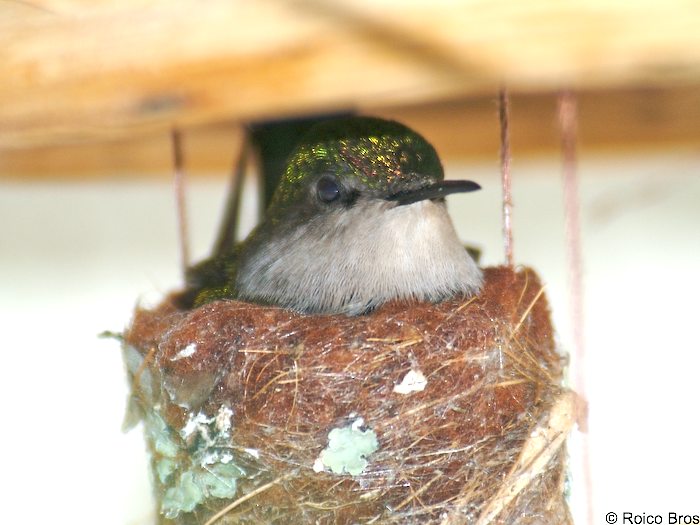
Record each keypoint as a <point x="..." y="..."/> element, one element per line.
<point x="229" y="226"/>
<point x="504" y="118"/>
<point x="179" y="183"/>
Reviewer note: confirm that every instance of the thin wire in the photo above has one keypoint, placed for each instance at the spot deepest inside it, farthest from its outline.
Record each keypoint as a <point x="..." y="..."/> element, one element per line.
<point x="506" y="182"/>
<point x="179" y="183"/>
<point x="567" y="113"/>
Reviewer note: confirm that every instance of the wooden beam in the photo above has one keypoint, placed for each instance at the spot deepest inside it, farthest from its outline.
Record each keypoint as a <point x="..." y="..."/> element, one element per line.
<point x="77" y="71"/>
<point x="462" y="129"/>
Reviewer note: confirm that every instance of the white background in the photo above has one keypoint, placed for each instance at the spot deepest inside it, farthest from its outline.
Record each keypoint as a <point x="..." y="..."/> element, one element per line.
<point x="75" y="258"/>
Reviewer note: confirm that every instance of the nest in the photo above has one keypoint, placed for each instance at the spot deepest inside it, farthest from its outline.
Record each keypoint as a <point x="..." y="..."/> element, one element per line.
<point x="449" y="413"/>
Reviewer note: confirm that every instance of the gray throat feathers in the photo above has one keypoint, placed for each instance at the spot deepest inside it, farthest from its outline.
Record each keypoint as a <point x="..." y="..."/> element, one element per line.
<point x="352" y="260"/>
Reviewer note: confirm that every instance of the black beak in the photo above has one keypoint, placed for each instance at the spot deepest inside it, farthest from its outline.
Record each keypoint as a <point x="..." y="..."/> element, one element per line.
<point x="434" y="191"/>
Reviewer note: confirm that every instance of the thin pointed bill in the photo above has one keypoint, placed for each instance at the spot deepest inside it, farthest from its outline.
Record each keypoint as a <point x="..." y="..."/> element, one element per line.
<point x="434" y="191"/>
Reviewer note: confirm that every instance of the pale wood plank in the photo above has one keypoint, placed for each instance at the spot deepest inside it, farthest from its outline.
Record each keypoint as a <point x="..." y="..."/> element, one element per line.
<point x="75" y="70"/>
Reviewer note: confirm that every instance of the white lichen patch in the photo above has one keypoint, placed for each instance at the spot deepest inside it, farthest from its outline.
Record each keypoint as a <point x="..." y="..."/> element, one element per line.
<point x="358" y="423"/>
<point x="413" y="381"/>
<point x="210" y="429"/>
<point x="223" y="419"/>
<point x="188" y="351"/>
<point x="253" y="452"/>
<point x="197" y="424"/>
<point x="347" y="449"/>
<point x="212" y="457"/>
<point x="318" y="465"/>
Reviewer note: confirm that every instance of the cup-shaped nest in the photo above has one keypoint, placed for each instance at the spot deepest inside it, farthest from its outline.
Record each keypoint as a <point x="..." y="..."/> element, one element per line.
<point x="417" y="413"/>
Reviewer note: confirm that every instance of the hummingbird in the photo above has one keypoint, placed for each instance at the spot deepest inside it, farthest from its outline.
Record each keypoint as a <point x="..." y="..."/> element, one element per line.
<point x="358" y="219"/>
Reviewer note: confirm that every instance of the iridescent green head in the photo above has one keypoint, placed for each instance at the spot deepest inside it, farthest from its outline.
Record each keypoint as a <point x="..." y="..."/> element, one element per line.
<point x="341" y="160"/>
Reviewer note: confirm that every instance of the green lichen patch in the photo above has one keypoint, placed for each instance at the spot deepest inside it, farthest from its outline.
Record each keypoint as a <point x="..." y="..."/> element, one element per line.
<point x="197" y="484"/>
<point x="347" y="449"/>
<point x="195" y="462"/>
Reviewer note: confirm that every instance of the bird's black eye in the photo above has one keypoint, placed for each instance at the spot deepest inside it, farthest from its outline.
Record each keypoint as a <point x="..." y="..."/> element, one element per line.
<point x="328" y="189"/>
